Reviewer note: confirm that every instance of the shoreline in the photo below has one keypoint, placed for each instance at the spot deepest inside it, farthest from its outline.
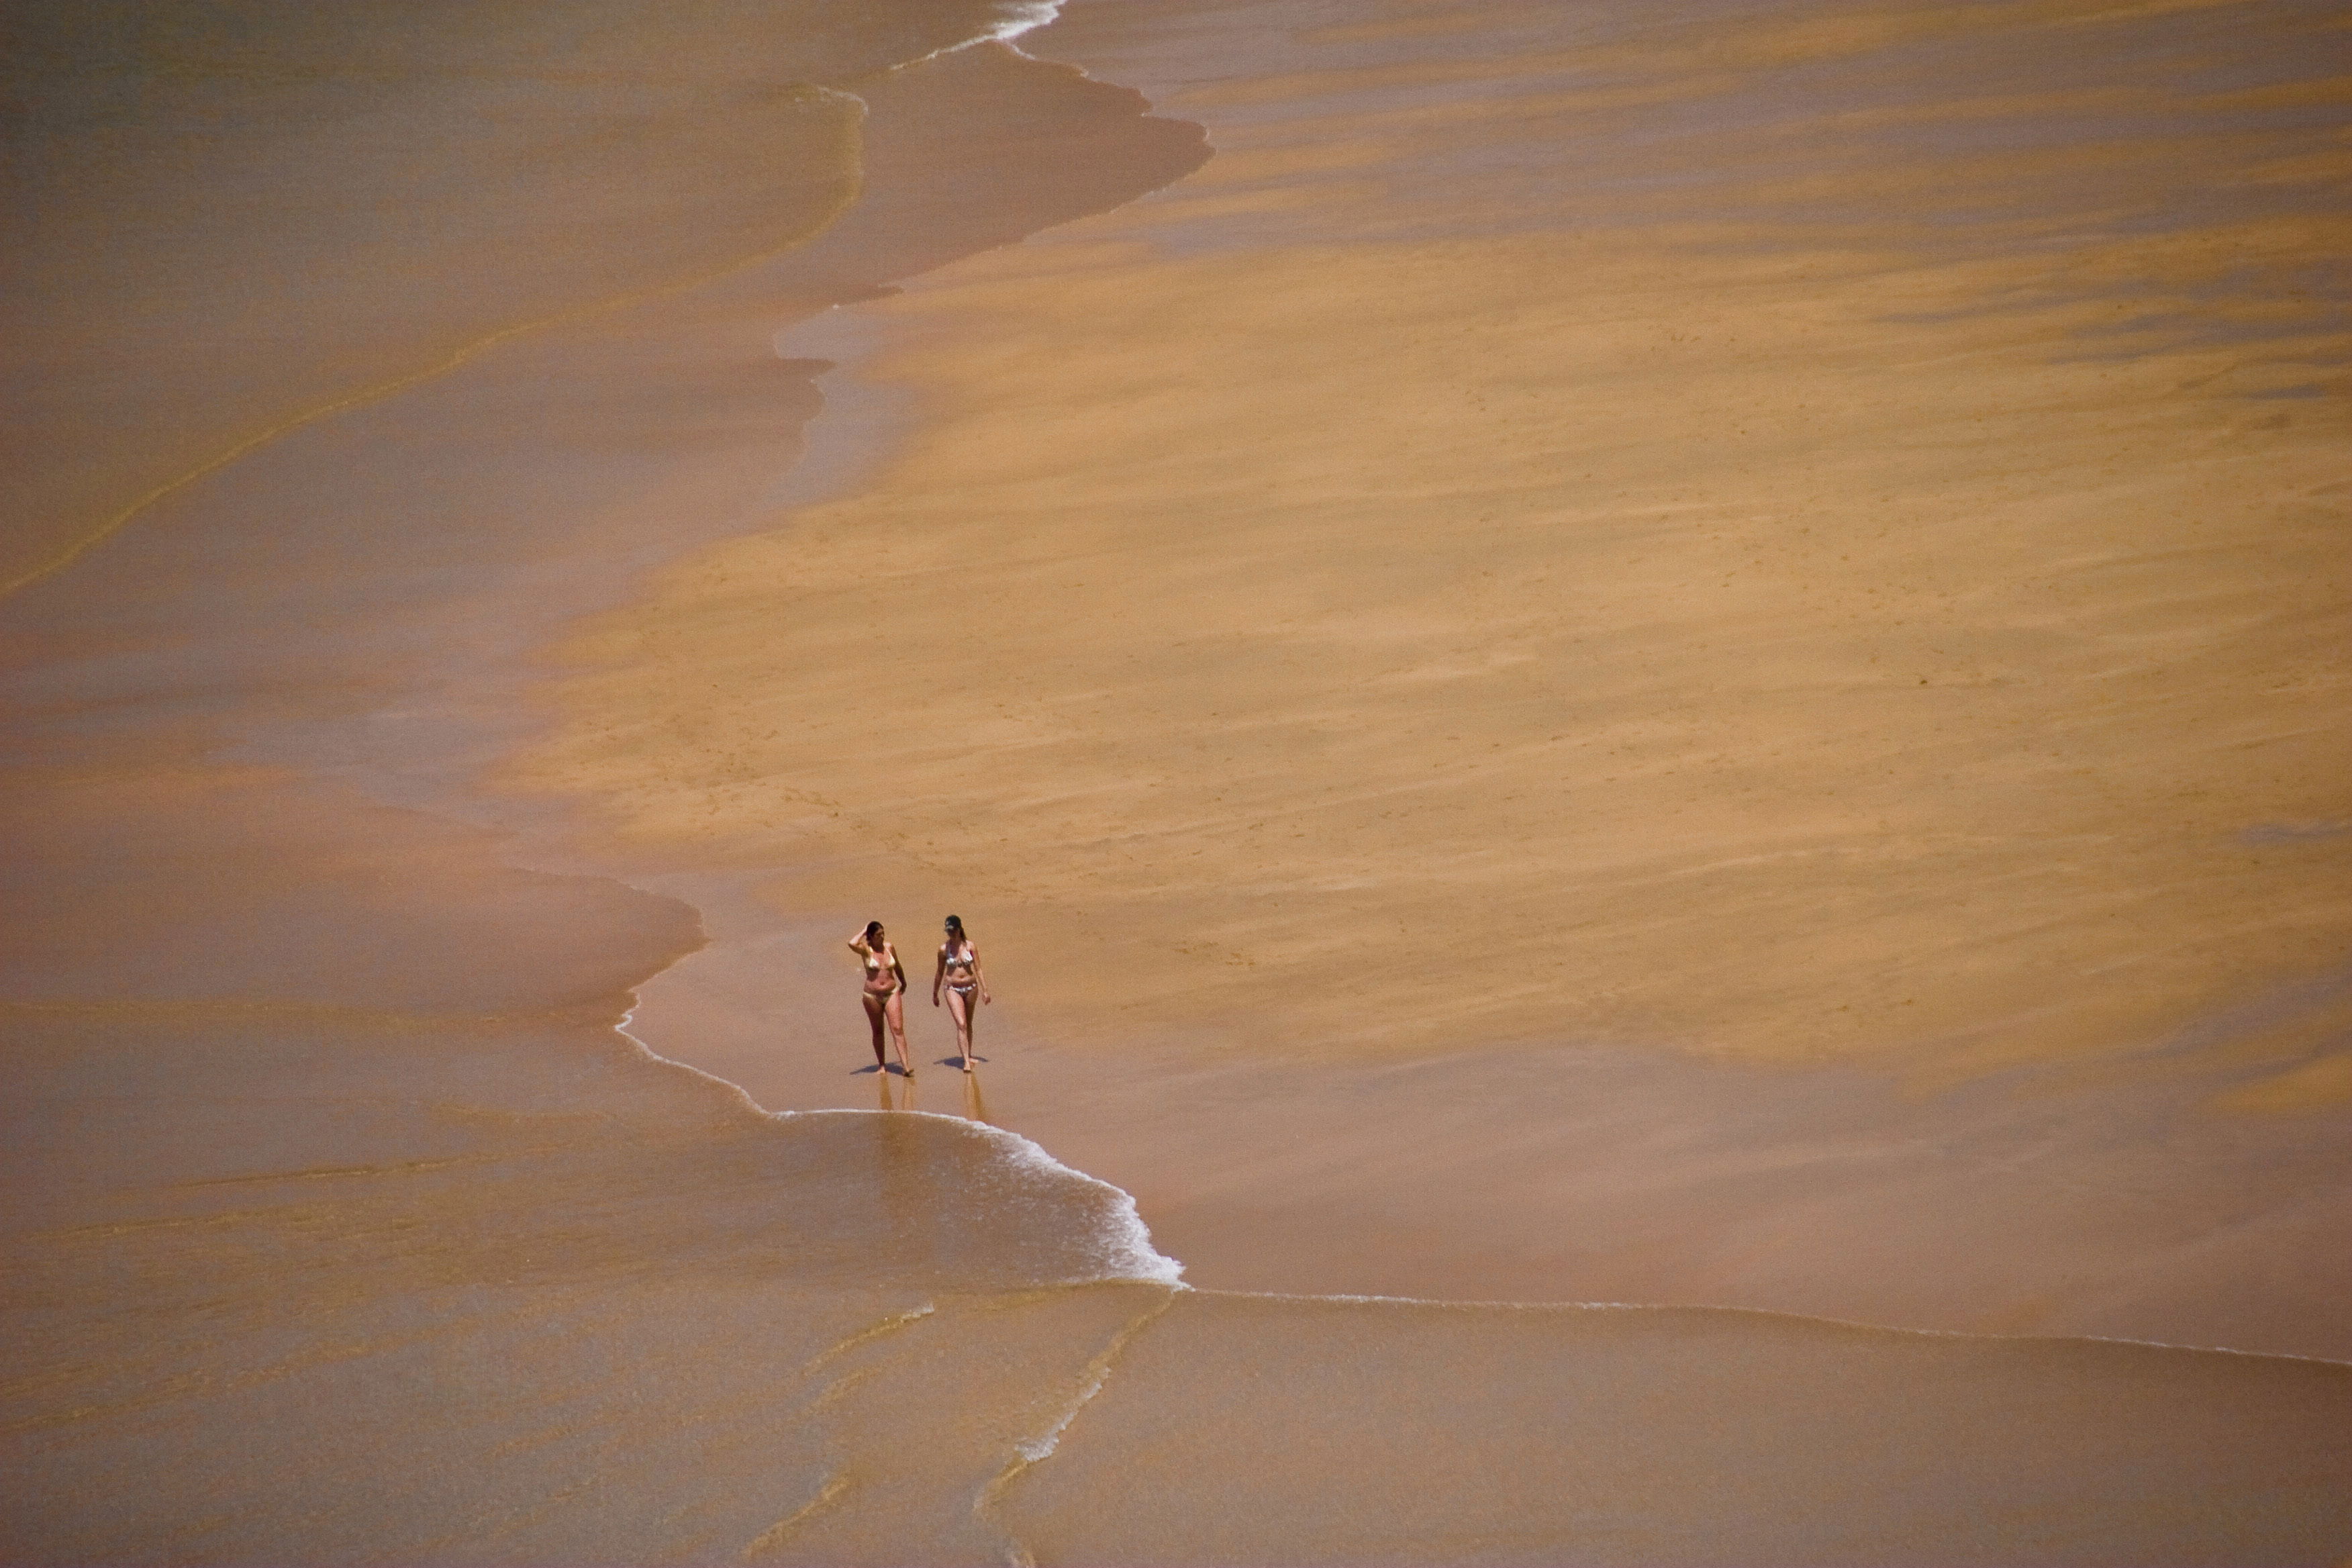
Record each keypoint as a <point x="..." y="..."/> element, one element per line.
<point x="1612" y="1175"/>
<point x="785" y="1114"/>
<point x="1060" y="677"/>
<point x="1231" y="591"/>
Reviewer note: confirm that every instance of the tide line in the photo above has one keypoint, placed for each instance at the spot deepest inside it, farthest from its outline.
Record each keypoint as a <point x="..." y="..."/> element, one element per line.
<point x="767" y="1540"/>
<point x="1036" y="1450"/>
<point x="855" y="183"/>
<point x="1014" y="18"/>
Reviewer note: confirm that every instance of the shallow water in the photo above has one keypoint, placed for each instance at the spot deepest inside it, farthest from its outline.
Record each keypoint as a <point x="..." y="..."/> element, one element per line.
<point x="619" y="1313"/>
<point x="352" y="365"/>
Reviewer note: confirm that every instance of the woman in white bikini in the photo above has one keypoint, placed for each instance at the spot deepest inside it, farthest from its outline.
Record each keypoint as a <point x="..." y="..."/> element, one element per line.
<point x="885" y="983"/>
<point x="961" y="974"/>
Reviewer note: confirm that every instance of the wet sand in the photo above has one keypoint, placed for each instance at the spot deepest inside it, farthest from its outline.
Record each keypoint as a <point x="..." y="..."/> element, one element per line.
<point x="2035" y="1201"/>
<point x="614" y="1314"/>
<point x="1407" y="647"/>
<point x="1792" y="643"/>
<point x="1340" y="616"/>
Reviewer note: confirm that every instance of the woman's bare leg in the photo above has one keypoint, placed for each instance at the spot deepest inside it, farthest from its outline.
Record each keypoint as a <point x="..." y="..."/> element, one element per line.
<point x="874" y="1010"/>
<point x="894" y="1010"/>
<point x="959" y="1009"/>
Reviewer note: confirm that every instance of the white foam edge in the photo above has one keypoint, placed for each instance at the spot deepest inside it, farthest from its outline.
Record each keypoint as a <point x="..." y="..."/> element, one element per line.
<point x="1033" y="1450"/>
<point x="1013" y="18"/>
<point x="1041" y="1447"/>
<point x="1127" y="1251"/>
<point x="1166" y="1270"/>
<point x="1724" y="1309"/>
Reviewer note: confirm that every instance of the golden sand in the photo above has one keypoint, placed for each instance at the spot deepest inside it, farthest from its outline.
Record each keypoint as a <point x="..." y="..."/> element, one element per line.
<point x="2323" y="1080"/>
<point x="1786" y="654"/>
<point x="1347" y="603"/>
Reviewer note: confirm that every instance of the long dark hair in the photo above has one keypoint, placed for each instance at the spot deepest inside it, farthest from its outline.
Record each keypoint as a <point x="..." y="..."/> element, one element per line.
<point x="873" y="930"/>
<point x="955" y="931"/>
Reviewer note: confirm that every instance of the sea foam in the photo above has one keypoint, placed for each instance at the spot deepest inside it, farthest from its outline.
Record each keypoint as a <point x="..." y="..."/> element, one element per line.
<point x="1012" y="18"/>
<point x="1026" y="1218"/>
<point x="1122" y="1240"/>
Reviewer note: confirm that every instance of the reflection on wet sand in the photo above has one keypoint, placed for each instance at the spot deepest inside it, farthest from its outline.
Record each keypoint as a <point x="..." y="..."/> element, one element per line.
<point x="1772" y="537"/>
<point x="1433" y="515"/>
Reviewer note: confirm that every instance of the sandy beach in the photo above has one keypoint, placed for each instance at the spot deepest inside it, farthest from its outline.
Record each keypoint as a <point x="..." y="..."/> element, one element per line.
<point x="1642" y="712"/>
<point x="1893" y="645"/>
